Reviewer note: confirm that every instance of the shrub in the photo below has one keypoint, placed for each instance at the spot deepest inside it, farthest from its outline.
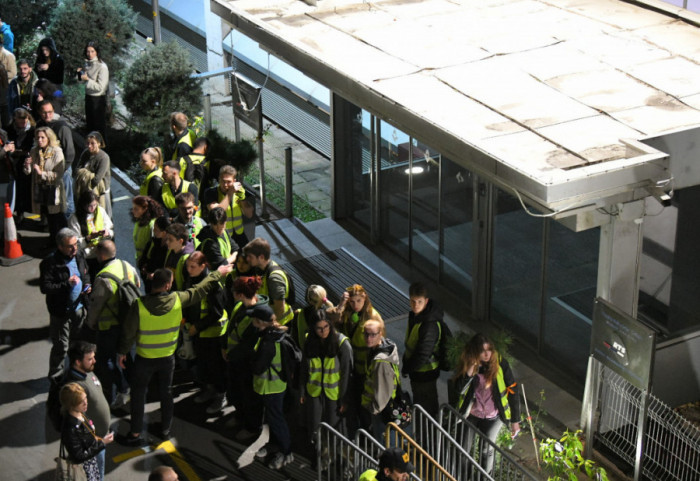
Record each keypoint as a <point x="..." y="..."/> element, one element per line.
<point x="111" y="23"/>
<point x="25" y="18"/>
<point x="159" y="82"/>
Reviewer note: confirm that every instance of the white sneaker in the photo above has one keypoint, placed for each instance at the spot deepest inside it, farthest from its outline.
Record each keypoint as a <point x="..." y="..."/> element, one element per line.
<point x="288" y="459"/>
<point x="121" y="400"/>
<point x="262" y="452"/>
<point x="204" y="396"/>
<point x="277" y="461"/>
<point x="218" y="403"/>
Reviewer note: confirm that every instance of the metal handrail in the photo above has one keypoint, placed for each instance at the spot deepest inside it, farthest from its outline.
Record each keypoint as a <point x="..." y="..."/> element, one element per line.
<point x="458" y="426"/>
<point x="338" y="458"/>
<point x="427" y="468"/>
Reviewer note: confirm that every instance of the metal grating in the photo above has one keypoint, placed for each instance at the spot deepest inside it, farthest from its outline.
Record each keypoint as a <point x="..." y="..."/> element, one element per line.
<point x="338" y="269"/>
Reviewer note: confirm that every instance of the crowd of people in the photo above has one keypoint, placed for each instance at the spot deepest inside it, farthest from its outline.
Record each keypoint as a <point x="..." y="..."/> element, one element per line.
<point x="214" y="298"/>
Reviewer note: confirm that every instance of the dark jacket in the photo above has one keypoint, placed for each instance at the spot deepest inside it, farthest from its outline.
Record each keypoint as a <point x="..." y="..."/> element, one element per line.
<point x="211" y="249"/>
<point x="65" y="136"/>
<point x="513" y="398"/>
<point x="79" y="440"/>
<point x="54" y="275"/>
<point x="428" y="337"/>
<point x="262" y="360"/>
<point x="215" y="304"/>
<point x="55" y="72"/>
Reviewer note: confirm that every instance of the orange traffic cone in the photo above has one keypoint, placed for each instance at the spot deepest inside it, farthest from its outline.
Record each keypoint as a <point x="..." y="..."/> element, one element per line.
<point x="13" y="251"/>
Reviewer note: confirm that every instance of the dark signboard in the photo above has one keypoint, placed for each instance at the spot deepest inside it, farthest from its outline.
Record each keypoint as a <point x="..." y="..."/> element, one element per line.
<point x="623" y="344"/>
<point x="247" y="101"/>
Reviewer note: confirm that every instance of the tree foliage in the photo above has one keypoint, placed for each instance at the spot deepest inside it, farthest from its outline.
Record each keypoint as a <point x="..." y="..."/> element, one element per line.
<point x="26" y="16"/>
<point x="110" y="23"/>
<point x="159" y="82"/>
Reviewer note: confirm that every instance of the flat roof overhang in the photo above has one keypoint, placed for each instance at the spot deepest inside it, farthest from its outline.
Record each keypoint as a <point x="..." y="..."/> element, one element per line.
<point x="546" y="100"/>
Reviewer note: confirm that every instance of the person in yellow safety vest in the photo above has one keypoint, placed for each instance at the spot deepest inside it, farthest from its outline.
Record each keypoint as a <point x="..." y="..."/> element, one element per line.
<point x="93" y="224"/>
<point x="420" y="360"/>
<point x="325" y="374"/>
<point x="215" y="242"/>
<point x="154" y="253"/>
<point x="182" y="137"/>
<point x="230" y="196"/>
<point x="381" y="377"/>
<point x="153" y="324"/>
<point x="176" y="236"/>
<point x="144" y="212"/>
<point x="487" y="394"/>
<point x="173" y="186"/>
<point x="103" y="316"/>
<point x="349" y="316"/>
<point x="206" y="323"/>
<point x="194" y="167"/>
<point x="276" y="283"/>
<point x="394" y="465"/>
<point x="267" y="382"/>
<point x="238" y="349"/>
<point x="151" y="162"/>
<point x="186" y="209"/>
<point x="315" y="299"/>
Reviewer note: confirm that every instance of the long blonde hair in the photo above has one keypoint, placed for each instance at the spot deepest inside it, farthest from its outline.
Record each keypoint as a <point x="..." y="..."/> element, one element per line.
<point x="471" y="357"/>
<point x="316" y="297"/>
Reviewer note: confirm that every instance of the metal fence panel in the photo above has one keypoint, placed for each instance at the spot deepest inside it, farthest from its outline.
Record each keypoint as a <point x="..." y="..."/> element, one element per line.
<point x="671" y="443"/>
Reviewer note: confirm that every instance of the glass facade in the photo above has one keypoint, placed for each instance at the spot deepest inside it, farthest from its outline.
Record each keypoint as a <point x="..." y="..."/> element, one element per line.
<point x="542" y="277"/>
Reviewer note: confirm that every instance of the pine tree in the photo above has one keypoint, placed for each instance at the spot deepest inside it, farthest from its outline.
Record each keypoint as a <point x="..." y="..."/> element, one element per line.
<point x="25" y="17"/>
<point x="110" y="23"/>
<point x="158" y="83"/>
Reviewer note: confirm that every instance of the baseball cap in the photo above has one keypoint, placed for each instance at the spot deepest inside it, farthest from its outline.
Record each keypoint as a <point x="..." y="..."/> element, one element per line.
<point x="262" y="312"/>
<point x="395" y="459"/>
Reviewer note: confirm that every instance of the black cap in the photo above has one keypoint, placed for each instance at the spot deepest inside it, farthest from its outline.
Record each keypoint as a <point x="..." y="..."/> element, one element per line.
<point x="395" y="459"/>
<point x="262" y="312"/>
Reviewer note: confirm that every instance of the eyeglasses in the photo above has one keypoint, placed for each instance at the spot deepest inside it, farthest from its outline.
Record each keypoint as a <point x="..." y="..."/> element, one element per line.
<point x="370" y="334"/>
<point x="323" y="328"/>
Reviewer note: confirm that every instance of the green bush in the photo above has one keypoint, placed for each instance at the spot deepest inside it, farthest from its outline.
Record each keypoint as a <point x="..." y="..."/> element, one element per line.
<point x="158" y="83"/>
<point x="111" y="23"/>
<point x="25" y="17"/>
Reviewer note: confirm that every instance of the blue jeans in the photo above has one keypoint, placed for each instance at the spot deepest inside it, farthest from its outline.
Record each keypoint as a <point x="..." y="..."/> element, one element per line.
<point x="100" y="458"/>
<point x="274" y="416"/>
<point x="108" y="370"/>
<point x="68" y="186"/>
<point x="144" y="370"/>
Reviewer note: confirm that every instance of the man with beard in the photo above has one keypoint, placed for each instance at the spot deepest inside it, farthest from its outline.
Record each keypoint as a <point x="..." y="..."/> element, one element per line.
<point x="22" y="86"/>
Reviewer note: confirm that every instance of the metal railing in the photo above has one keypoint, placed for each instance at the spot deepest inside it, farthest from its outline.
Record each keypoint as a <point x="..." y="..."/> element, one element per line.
<point x="367" y="443"/>
<point x="455" y="426"/>
<point x="671" y="443"/>
<point x="338" y="458"/>
<point x="427" y="468"/>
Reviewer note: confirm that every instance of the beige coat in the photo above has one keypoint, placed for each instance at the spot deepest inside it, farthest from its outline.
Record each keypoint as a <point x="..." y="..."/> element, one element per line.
<point x="52" y="167"/>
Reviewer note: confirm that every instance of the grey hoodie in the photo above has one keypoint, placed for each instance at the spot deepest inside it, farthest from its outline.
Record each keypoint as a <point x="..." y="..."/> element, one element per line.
<point x="381" y="378"/>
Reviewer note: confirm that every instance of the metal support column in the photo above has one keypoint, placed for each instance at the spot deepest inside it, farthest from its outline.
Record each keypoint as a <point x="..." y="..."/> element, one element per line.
<point x="207" y="113"/>
<point x="288" y="192"/>
<point x="156" y="22"/>
<point x="589" y="406"/>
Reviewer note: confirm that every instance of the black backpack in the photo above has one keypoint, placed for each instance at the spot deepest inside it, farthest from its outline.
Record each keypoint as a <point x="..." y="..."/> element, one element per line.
<point x="291" y="361"/>
<point x="445" y="335"/>
<point x="127" y="291"/>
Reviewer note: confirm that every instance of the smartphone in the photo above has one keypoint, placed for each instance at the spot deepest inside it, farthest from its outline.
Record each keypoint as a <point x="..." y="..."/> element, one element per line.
<point x="86" y="288"/>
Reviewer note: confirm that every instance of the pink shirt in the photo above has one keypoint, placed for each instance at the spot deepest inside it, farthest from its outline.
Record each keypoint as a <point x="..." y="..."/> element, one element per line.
<point x="483" y="407"/>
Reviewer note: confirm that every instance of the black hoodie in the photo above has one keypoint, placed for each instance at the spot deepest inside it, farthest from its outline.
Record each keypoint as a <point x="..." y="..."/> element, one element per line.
<point x="55" y="72"/>
<point x="428" y="337"/>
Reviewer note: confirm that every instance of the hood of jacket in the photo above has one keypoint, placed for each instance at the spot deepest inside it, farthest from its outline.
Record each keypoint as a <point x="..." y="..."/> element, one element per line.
<point x="48" y="42"/>
<point x="387" y="350"/>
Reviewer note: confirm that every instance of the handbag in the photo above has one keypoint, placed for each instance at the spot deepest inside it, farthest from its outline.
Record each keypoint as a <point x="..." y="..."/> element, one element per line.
<point x="398" y="409"/>
<point x="47" y="194"/>
<point x="66" y="470"/>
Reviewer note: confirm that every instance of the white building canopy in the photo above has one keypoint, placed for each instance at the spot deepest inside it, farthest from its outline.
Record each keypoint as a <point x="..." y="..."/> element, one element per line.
<point x="549" y="98"/>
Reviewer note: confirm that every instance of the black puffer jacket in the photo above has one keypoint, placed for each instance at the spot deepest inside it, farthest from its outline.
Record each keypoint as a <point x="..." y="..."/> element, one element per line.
<point x="428" y="337"/>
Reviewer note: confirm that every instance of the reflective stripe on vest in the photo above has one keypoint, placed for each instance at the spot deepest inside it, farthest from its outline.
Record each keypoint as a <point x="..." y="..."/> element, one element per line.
<point x="234" y="215"/>
<point x="142" y="234"/>
<point x="224" y="244"/>
<point x="168" y="196"/>
<point x="157" y="335"/>
<point x="412" y="342"/>
<point x="143" y="190"/>
<point x="97" y="224"/>
<point x="218" y="329"/>
<point x="188" y="139"/>
<point x="368" y="391"/>
<point x="264" y="290"/>
<point x="324" y="374"/>
<point x="502" y="391"/>
<point x="108" y="315"/>
<point x="270" y="382"/>
<point x="194" y="228"/>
